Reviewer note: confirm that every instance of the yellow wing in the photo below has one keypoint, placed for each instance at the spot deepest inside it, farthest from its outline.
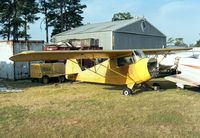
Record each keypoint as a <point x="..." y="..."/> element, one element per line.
<point x="63" y="55"/>
<point x="86" y="54"/>
<point x="163" y="50"/>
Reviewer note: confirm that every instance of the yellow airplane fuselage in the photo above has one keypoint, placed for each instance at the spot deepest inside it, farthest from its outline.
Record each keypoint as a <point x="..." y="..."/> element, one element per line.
<point x="108" y="72"/>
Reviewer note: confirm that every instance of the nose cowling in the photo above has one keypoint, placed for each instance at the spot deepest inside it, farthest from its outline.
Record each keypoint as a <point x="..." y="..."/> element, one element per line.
<point x="152" y="66"/>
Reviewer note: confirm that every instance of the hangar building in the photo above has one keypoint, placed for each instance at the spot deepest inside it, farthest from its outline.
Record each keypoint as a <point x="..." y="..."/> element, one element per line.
<point x="126" y="34"/>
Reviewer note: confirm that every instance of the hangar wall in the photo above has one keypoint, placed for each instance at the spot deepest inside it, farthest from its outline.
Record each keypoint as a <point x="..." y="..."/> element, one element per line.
<point x="135" y="41"/>
<point x="138" y="35"/>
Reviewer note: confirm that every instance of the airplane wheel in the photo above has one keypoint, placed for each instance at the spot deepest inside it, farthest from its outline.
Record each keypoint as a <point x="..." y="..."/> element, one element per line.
<point x="127" y="92"/>
<point x="156" y="87"/>
<point x="45" y="80"/>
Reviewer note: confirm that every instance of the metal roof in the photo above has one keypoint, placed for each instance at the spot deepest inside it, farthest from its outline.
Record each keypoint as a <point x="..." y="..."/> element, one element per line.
<point x="100" y="27"/>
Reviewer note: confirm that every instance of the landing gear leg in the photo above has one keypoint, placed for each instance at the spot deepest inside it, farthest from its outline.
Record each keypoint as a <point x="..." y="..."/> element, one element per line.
<point x="129" y="90"/>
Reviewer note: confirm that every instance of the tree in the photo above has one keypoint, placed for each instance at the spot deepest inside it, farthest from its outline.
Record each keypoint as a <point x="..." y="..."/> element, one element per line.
<point x="197" y="44"/>
<point x="6" y="13"/>
<point x="47" y="8"/>
<point x="121" y="16"/>
<point x="180" y="42"/>
<point x="15" y="16"/>
<point x="170" y="41"/>
<point x="28" y="10"/>
<point x="10" y="20"/>
<point x="68" y="15"/>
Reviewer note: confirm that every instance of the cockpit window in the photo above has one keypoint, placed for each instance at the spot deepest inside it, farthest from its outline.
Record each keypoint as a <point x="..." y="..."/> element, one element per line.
<point x="139" y="54"/>
<point x="122" y="61"/>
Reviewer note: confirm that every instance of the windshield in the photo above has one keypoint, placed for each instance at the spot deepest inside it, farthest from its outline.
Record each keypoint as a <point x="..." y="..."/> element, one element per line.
<point x="139" y="54"/>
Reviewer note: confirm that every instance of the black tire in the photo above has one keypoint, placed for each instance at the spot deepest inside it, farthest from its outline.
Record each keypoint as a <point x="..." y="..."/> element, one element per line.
<point x="33" y="80"/>
<point x="45" y="80"/>
<point x="61" y="79"/>
<point x="156" y="87"/>
<point x="127" y="92"/>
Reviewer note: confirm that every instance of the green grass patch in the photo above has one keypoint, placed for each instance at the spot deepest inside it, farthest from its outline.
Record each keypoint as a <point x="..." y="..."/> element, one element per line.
<point x="91" y="110"/>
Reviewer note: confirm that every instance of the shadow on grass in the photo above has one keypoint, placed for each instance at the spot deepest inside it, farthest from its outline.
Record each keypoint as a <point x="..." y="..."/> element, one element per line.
<point x="194" y="89"/>
<point x="164" y="85"/>
<point x="23" y="84"/>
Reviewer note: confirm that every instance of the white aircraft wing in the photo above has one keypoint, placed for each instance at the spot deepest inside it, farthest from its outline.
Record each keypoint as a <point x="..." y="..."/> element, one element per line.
<point x="181" y="79"/>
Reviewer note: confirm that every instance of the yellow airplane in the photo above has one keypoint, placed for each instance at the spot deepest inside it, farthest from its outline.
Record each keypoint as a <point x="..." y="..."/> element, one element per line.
<point x="119" y="67"/>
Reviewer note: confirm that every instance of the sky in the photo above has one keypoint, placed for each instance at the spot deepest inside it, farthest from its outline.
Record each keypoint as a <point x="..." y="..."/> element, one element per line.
<point x="174" y="18"/>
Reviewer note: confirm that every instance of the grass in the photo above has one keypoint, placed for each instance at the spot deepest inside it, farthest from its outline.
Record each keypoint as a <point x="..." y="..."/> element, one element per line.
<point x="91" y="110"/>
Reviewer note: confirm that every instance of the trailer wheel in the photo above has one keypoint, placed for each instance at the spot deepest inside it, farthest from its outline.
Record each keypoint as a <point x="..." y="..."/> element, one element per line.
<point x="127" y="92"/>
<point x="61" y="79"/>
<point x="33" y="80"/>
<point x="45" y="80"/>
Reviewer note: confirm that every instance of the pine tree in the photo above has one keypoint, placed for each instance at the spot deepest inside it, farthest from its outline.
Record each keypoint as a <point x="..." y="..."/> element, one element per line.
<point x="15" y="16"/>
<point x="28" y="10"/>
<point x="68" y="15"/>
<point x="6" y="13"/>
<point x="122" y="16"/>
<point x="47" y="9"/>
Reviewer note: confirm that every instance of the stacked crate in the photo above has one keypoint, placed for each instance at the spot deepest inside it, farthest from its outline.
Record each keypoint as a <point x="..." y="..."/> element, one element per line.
<point x="76" y="44"/>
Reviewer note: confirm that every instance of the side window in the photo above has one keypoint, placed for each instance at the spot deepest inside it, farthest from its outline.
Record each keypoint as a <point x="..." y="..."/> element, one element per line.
<point x="122" y="61"/>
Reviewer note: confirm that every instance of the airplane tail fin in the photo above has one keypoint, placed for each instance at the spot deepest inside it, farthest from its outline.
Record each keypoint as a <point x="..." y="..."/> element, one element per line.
<point x="72" y="67"/>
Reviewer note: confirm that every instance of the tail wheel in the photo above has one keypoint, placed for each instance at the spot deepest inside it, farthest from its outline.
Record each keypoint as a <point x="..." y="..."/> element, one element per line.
<point x="61" y="79"/>
<point x="45" y="80"/>
<point x="127" y="92"/>
<point x="156" y="87"/>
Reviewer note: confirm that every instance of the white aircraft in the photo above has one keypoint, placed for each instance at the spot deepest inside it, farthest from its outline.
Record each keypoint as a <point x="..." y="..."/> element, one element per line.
<point x="187" y="67"/>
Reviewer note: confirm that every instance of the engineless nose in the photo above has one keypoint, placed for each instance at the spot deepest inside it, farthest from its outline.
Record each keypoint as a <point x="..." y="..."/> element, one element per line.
<point x="153" y="67"/>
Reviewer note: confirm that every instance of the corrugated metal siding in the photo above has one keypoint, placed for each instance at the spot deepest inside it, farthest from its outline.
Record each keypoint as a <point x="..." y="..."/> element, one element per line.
<point x="134" y="36"/>
<point x="99" y="27"/>
<point x="134" y="41"/>
<point x="104" y="38"/>
<point x="136" y="28"/>
<point x="126" y="34"/>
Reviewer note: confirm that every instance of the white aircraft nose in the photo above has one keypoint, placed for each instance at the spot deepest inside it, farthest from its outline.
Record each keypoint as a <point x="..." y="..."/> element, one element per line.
<point x="166" y="61"/>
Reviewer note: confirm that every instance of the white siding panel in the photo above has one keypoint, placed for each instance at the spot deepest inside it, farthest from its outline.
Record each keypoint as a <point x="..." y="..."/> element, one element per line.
<point x="6" y="65"/>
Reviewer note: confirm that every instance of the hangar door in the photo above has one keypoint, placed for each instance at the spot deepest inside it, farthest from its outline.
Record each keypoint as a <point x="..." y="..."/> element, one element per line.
<point x="137" y="41"/>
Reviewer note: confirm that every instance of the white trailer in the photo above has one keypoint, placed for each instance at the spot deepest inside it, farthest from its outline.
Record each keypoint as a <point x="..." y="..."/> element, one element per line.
<point x="16" y="70"/>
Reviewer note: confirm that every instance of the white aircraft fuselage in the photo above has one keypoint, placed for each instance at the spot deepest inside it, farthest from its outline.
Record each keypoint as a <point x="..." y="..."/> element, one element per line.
<point x="187" y="65"/>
